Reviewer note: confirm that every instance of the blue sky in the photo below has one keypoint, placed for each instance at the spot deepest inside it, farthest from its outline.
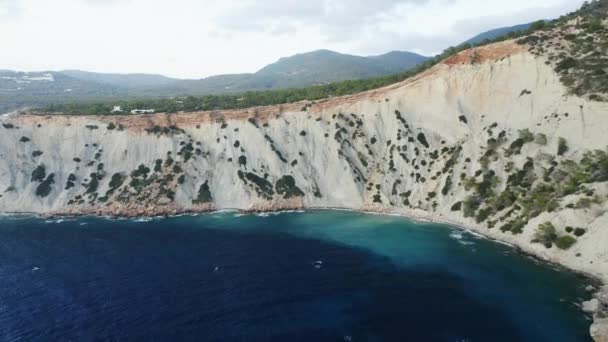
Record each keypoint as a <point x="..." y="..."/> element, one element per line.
<point x="198" y="38"/>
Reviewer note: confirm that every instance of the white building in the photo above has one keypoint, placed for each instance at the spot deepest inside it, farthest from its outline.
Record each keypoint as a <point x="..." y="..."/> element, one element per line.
<point x="142" y="111"/>
<point x="117" y="109"/>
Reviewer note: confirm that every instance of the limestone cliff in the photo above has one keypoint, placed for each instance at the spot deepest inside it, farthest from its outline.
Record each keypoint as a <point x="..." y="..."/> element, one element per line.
<point x="490" y="139"/>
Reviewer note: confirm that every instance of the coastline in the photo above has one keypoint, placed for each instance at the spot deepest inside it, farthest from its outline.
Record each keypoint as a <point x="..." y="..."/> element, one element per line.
<point x="416" y="216"/>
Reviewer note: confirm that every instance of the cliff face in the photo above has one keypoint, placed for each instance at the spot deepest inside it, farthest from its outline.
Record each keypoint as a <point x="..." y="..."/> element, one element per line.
<point x="489" y="139"/>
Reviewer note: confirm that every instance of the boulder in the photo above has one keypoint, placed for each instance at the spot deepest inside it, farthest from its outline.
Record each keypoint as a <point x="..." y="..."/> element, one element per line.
<point x="599" y="330"/>
<point x="592" y="306"/>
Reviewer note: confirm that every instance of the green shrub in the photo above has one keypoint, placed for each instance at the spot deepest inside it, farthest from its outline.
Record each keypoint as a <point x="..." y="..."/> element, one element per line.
<point x="470" y="205"/>
<point x="545" y="233"/>
<point x="540" y="139"/>
<point x="515" y="226"/>
<point x="286" y="186"/>
<point x="39" y="174"/>
<point x="562" y="147"/>
<point x="515" y="147"/>
<point x="142" y="171"/>
<point x="158" y="165"/>
<point x="483" y="214"/>
<point x="526" y="136"/>
<point x="44" y="189"/>
<point x="204" y="194"/>
<point x="565" y="242"/>
<point x="117" y="180"/>
<point x="580" y="232"/>
<point x="447" y="186"/>
<point x="422" y="140"/>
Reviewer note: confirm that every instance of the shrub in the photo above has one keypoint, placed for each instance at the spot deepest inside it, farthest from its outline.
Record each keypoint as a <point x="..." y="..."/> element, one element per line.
<point x="565" y="242"/>
<point x="142" y="170"/>
<point x="447" y="186"/>
<point x="580" y="232"/>
<point x="515" y="147"/>
<point x="584" y="203"/>
<point x="562" y="147"/>
<point x="111" y="126"/>
<point x="117" y="180"/>
<point x="526" y="135"/>
<point x="540" y="139"/>
<point x="286" y="186"/>
<point x="457" y="206"/>
<point x="515" y="226"/>
<point x="204" y="194"/>
<point x="483" y="215"/>
<point x="44" y="189"/>
<point x="39" y="174"/>
<point x="158" y="164"/>
<point x="36" y="154"/>
<point x="422" y="140"/>
<point x="24" y="139"/>
<point x="545" y="233"/>
<point x="470" y="205"/>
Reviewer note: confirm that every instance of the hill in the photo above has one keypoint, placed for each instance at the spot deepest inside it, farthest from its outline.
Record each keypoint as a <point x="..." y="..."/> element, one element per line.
<point x="35" y="89"/>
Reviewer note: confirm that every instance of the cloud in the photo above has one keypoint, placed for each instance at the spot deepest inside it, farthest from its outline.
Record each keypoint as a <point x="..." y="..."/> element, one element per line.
<point x="431" y="27"/>
<point x="106" y="2"/>
<point x="335" y="19"/>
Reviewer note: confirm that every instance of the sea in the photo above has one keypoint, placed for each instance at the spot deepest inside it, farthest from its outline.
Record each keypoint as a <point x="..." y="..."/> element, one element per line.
<point x="289" y="276"/>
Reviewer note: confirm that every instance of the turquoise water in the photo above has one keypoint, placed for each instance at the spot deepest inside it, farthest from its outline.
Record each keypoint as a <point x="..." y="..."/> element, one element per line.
<point x="322" y="276"/>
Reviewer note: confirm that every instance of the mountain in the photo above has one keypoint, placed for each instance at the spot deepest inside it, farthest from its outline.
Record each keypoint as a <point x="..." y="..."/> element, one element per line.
<point x="20" y="89"/>
<point x="26" y="89"/>
<point x="324" y="66"/>
<point x="121" y="80"/>
<point x="493" y="34"/>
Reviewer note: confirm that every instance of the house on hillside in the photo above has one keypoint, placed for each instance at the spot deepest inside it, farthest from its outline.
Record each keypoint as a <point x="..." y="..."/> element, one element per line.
<point x="117" y="109"/>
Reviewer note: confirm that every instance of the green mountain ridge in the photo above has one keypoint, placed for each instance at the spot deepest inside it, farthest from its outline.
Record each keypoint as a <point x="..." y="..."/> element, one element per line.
<point x="31" y="89"/>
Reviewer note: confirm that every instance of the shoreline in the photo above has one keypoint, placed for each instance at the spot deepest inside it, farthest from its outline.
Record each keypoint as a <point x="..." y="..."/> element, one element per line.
<point x="416" y="217"/>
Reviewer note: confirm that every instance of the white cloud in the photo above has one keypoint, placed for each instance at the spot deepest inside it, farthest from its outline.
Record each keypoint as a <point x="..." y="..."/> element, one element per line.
<point x="196" y="38"/>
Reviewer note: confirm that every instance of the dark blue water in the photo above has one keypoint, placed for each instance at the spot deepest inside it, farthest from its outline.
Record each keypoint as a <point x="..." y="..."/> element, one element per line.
<point x="319" y="276"/>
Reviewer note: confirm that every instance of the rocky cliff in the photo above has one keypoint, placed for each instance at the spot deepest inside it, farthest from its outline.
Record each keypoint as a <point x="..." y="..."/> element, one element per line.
<point x="490" y="139"/>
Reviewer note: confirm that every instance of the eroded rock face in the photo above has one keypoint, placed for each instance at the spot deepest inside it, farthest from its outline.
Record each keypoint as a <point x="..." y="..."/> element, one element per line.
<point x="496" y="145"/>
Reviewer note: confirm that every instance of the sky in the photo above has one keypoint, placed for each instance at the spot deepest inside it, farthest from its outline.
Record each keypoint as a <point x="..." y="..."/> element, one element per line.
<point x="199" y="38"/>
